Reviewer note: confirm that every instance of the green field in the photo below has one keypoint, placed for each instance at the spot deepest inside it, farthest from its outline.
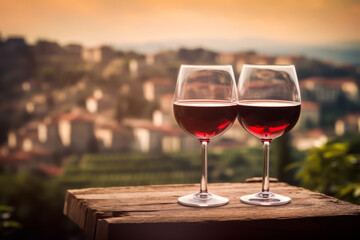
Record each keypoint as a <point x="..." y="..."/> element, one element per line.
<point x="103" y="170"/>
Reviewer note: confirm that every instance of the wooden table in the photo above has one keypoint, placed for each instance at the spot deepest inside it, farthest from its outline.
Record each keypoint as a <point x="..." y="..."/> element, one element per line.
<point x="152" y="212"/>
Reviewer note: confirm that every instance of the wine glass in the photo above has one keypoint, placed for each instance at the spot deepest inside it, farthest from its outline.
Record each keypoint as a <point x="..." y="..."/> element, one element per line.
<point x="269" y="106"/>
<point x="205" y="106"/>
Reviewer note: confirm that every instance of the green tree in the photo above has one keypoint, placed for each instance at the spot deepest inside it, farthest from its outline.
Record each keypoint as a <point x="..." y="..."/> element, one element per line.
<point x="332" y="169"/>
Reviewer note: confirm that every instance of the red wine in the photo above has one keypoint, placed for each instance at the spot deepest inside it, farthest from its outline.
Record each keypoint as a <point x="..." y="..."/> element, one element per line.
<point x="205" y="119"/>
<point x="268" y="119"/>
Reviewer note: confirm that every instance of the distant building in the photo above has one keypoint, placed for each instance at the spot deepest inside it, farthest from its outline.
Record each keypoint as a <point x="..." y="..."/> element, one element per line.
<point x="46" y="52"/>
<point x="98" y="103"/>
<point x="59" y="96"/>
<point x="36" y="105"/>
<point x="153" y="88"/>
<point x="73" y="50"/>
<point x="151" y="138"/>
<point x="91" y="104"/>
<point x="327" y="90"/>
<point x="150" y="59"/>
<point x="100" y="54"/>
<point x="134" y="68"/>
<point x="29" y="142"/>
<point x="91" y="55"/>
<point x="15" y="43"/>
<point x="288" y="60"/>
<point x="46" y="48"/>
<point x="239" y="59"/>
<point x="166" y="102"/>
<point x="24" y="138"/>
<point x="303" y="140"/>
<point x="164" y="116"/>
<point x="161" y="118"/>
<point x="350" y="123"/>
<point x="148" y="139"/>
<point x="31" y="85"/>
<point x="48" y="134"/>
<point x="66" y="96"/>
<point x="18" y="161"/>
<point x="114" y="138"/>
<point x="164" y="57"/>
<point x="12" y="140"/>
<point x="77" y="131"/>
<point x="310" y="115"/>
<point x="16" y="62"/>
<point x="226" y="58"/>
<point x="24" y="151"/>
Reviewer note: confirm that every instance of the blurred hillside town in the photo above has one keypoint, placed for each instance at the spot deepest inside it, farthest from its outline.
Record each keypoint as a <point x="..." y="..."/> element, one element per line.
<point x="57" y="101"/>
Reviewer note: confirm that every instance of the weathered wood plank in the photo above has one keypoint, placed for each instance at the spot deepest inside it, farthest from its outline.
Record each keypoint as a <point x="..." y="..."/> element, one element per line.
<point x="135" y="212"/>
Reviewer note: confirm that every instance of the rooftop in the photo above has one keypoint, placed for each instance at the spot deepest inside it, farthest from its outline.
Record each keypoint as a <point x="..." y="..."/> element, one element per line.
<point x="160" y="81"/>
<point x="351" y="117"/>
<point x="328" y="82"/>
<point x="21" y="156"/>
<point x="77" y="117"/>
<point x="51" y="170"/>
<point x="164" y="129"/>
<point x="309" y="105"/>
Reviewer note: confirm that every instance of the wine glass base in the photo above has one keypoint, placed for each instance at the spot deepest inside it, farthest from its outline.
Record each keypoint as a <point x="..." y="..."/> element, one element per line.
<point x="202" y="200"/>
<point x="265" y="199"/>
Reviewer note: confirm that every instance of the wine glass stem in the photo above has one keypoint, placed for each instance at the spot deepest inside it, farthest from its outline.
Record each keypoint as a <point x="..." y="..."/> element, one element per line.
<point x="204" y="174"/>
<point x="265" y="179"/>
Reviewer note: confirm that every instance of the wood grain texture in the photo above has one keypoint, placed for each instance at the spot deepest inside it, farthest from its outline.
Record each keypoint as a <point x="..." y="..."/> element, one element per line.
<point x="144" y="211"/>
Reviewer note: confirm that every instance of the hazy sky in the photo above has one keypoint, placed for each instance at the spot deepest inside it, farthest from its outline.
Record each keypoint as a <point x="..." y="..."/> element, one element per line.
<point x="93" y="22"/>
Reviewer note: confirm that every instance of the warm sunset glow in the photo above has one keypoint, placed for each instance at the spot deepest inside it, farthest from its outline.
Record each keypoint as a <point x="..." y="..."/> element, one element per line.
<point x="93" y="22"/>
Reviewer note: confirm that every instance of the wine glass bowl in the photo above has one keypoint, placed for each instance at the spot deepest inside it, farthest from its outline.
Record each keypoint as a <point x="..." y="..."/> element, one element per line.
<point x="269" y="106"/>
<point x="205" y="106"/>
<point x="204" y="119"/>
<point x="268" y="119"/>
